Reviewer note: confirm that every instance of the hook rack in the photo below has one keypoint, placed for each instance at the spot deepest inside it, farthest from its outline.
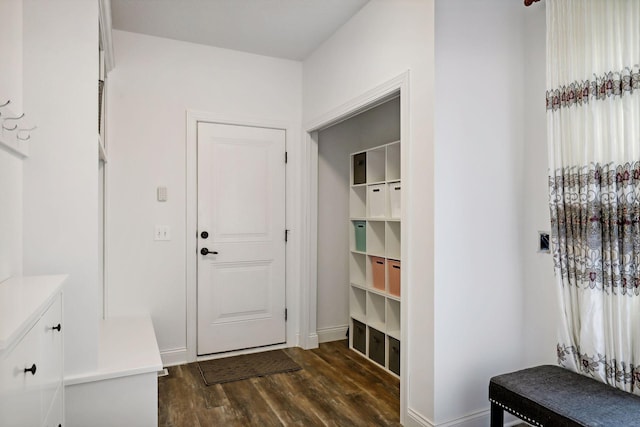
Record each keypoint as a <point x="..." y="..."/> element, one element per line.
<point x="14" y="135"/>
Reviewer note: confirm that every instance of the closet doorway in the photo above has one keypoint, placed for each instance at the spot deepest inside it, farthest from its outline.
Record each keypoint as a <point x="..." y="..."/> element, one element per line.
<point x="358" y="225"/>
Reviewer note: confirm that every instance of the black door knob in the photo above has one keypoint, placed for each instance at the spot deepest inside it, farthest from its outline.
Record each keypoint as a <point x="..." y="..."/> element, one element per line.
<point x="204" y="234"/>
<point x="205" y="251"/>
<point x="32" y="369"/>
<point x="57" y="328"/>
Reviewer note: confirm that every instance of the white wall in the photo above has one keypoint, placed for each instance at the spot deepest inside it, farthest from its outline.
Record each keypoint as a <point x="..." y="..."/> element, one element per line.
<point x="61" y="175"/>
<point x="489" y="156"/>
<point x="383" y="40"/>
<point x="154" y="83"/>
<point x="374" y="127"/>
<point x="10" y="165"/>
<point x="11" y="58"/>
<point x="539" y="284"/>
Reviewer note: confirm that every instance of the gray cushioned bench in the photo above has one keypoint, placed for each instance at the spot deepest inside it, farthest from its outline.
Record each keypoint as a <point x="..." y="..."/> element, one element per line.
<point x="553" y="396"/>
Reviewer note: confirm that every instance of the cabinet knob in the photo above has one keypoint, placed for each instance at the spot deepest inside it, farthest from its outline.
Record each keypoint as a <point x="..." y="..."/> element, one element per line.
<point x="32" y="369"/>
<point x="57" y="328"/>
<point x="204" y="234"/>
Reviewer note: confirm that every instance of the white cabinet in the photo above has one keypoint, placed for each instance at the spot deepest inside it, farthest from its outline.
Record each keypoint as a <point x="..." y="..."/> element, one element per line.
<point x="31" y="340"/>
<point x="374" y="295"/>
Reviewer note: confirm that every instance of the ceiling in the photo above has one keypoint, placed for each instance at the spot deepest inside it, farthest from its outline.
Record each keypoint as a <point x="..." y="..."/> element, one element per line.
<point x="289" y="29"/>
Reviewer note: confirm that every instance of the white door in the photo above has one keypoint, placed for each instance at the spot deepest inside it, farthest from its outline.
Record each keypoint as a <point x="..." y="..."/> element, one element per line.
<point x="241" y="206"/>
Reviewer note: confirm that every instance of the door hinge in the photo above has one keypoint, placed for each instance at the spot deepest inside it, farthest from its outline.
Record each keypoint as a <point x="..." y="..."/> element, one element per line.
<point x="286" y="235"/>
<point x="286" y="314"/>
<point x="286" y="156"/>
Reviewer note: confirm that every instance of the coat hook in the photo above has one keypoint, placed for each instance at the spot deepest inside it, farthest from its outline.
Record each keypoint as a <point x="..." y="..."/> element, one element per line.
<point x="15" y="118"/>
<point x="18" y="135"/>
<point x="12" y="118"/>
<point x="6" y="103"/>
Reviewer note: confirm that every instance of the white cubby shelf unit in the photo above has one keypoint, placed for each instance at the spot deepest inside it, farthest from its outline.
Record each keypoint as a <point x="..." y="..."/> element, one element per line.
<point x="375" y="258"/>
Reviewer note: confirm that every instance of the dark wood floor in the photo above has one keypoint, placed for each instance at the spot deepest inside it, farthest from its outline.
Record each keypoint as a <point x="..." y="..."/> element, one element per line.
<point x="334" y="388"/>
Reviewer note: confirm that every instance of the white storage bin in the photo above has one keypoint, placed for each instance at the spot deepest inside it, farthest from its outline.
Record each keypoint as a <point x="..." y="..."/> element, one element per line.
<point x="395" y="192"/>
<point x="376" y="195"/>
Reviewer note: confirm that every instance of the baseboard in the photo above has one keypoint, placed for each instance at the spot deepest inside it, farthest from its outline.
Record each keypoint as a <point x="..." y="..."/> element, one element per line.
<point x="415" y="419"/>
<point x="477" y="419"/>
<point x="337" y="333"/>
<point x="176" y="356"/>
<point x="312" y="341"/>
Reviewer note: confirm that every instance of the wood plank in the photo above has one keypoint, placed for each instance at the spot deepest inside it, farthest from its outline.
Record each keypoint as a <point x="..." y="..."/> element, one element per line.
<point x="334" y="388"/>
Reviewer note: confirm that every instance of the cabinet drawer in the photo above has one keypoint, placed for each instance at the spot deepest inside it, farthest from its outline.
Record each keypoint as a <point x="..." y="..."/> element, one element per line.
<point x="20" y="390"/>
<point x="50" y="329"/>
<point x="54" y="418"/>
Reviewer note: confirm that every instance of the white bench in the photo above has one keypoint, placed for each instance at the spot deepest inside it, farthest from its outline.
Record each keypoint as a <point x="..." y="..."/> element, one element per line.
<point x="123" y="390"/>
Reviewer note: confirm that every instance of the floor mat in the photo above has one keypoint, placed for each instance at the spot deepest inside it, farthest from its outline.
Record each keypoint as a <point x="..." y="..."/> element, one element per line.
<point x="246" y="366"/>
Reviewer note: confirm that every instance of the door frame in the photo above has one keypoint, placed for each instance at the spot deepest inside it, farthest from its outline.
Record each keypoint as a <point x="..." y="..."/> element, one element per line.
<point x="309" y="213"/>
<point x="193" y="117"/>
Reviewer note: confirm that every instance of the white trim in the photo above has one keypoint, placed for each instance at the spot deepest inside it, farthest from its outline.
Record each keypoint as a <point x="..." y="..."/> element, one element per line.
<point x="416" y="419"/>
<point x="479" y="418"/>
<point x="173" y="357"/>
<point x="336" y="333"/>
<point x="105" y="34"/>
<point x="309" y="211"/>
<point x="292" y="132"/>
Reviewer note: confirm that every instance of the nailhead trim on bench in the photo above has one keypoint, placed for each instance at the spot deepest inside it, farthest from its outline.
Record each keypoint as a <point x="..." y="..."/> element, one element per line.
<point x="516" y="413"/>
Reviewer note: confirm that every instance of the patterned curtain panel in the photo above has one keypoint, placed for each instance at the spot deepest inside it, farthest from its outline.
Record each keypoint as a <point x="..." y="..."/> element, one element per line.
<point x="593" y="126"/>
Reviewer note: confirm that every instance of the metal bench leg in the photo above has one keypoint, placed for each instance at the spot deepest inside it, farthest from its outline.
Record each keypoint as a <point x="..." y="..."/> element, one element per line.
<point x="497" y="416"/>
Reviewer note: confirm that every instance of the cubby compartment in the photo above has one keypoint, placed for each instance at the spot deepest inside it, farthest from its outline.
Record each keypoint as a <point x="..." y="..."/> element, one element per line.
<point x="359" y="336"/>
<point x="376" y="238"/>
<point x="359" y="236"/>
<point x="377" y="280"/>
<point x="358" y="303"/>
<point x="358" y="202"/>
<point x="376" y="165"/>
<point x="393" y="318"/>
<point x="376" y="346"/>
<point x="376" y="200"/>
<point x="394" y="196"/>
<point x="393" y="161"/>
<point x="359" y="169"/>
<point x="376" y="311"/>
<point x="394" y="277"/>
<point x="394" y="355"/>
<point x="358" y="269"/>
<point x="392" y="239"/>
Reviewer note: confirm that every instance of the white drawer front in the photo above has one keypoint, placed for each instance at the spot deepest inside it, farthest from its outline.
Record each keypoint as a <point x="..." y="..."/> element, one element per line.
<point x="51" y="353"/>
<point x="19" y="390"/>
<point x="54" y="419"/>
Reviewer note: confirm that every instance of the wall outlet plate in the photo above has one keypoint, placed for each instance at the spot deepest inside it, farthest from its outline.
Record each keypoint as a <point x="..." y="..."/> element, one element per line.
<point x="544" y="244"/>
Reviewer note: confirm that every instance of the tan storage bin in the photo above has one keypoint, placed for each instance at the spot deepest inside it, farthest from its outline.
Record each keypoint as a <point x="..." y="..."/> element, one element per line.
<point x="394" y="278"/>
<point x="377" y="270"/>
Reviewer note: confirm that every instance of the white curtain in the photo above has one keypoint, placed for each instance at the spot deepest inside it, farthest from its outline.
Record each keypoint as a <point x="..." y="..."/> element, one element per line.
<point x="593" y="132"/>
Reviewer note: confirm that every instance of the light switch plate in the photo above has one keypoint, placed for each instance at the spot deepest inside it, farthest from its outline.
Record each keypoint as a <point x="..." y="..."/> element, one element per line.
<point x="162" y="194"/>
<point x="162" y="233"/>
